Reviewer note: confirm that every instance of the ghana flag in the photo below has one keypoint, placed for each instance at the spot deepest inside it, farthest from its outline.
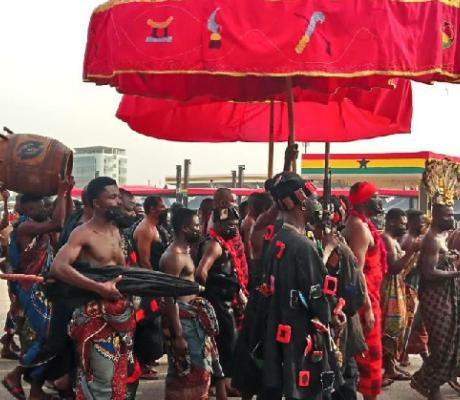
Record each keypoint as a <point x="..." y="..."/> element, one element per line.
<point x="387" y="170"/>
<point x="366" y="164"/>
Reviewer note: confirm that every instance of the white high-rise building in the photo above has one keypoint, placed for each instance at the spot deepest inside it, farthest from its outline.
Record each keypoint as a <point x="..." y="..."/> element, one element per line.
<point x="91" y="162"/>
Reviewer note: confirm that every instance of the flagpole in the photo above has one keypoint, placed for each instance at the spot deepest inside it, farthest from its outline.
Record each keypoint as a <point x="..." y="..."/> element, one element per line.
<point x="290" y="103"/>
<point x="271" y="143"/>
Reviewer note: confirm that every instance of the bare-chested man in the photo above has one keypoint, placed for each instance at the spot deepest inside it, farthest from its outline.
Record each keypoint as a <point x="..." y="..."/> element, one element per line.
<point x="416" y="337"/>
<point x="394" y="318"/>
<point x="439" y="297"/>
<point x="190" y="321"/>
<point x="369" y="250"/>
<point x="149" y="238"/>
<point x="102" y="330"/>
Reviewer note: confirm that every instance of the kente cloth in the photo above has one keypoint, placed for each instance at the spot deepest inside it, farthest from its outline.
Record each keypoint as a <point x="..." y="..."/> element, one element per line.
<point x="370" y="362"/>
<point x="102" y="332"/>
<point x="418" y="336"/>
<point x="394" y="314"/>
<point x="440" y="306"/>
<point x="297" y="353"/>
<point x="189" y="377"/>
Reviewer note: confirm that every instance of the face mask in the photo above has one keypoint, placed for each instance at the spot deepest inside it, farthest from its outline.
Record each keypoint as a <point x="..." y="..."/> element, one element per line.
<point x="399" y="232"/>
<point x="230" y="233"/>
<point x="375" y="206"/>
<point x="193" y="236"/>
<point x="447" y="225"/>
<point x="163" y="218"/>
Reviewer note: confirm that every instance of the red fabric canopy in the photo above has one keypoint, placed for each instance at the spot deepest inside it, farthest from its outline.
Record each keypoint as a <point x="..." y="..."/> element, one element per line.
<point x="350" y="114"/>
<point x="223" y="49"/>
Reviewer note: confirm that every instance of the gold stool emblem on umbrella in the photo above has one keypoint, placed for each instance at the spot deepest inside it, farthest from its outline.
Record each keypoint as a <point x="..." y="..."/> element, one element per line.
<point x="159" y="31"/>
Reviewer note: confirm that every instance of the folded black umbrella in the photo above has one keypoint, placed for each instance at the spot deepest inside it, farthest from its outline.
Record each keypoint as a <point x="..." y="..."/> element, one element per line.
<point x="135" y="281"/>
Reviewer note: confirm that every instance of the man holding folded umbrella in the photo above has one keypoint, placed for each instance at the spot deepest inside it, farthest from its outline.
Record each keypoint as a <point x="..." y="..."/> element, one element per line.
<point x="102" y="330"/>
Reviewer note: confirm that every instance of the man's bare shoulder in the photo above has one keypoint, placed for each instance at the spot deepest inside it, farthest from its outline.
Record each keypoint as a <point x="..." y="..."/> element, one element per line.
<point x="355" y="221"/>
<point x="145" y="229"/>
<point x="83" y="232"/>
<point x="355" y="225"/>
<point x="431" y="242"/>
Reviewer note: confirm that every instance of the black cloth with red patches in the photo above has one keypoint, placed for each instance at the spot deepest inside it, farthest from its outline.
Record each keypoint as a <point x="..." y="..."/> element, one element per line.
<point x="298" y="276"/>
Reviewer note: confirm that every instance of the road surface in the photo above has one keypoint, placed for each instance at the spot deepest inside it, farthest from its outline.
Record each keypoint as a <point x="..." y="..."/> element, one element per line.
<point x="153" y="390"/>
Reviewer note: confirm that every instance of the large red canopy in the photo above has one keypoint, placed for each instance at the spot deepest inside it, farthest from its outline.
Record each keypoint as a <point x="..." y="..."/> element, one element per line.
<point x="227" y="49"/>
<point x="349" y="114"/>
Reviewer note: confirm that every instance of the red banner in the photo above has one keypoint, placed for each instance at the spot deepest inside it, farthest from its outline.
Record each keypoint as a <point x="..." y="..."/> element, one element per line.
<point x="350" y="114"/>
<point x="186" y="48"/>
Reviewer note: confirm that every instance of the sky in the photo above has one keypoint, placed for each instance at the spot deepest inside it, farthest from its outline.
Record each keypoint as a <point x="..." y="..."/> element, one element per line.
<point x="42" y="47"/>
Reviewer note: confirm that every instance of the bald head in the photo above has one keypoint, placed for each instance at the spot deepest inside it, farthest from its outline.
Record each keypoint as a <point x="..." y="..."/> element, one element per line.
<point x="224" y="198"/>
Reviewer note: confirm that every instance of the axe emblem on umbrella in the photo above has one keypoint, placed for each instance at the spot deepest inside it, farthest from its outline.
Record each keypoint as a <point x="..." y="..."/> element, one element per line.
<point x="158" y="27"/>
<point x="317" y="17"/>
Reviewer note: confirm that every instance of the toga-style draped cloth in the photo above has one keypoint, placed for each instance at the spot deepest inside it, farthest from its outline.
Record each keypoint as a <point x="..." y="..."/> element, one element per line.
<point x="440" y="306"/>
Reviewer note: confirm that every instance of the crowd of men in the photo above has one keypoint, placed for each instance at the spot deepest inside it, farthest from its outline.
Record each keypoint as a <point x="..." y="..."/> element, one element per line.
<point x="303" y="298"/>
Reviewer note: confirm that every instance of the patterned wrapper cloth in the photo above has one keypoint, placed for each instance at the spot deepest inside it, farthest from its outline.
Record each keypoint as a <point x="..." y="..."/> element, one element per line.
<point x="189" y="377"/>
<point x="102" y="332"/>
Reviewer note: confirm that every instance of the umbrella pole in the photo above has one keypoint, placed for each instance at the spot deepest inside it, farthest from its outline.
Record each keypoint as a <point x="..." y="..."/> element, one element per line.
<point x="271" y="141"/>
<point x="327" y="182"/>
<point x="290" y="99"/>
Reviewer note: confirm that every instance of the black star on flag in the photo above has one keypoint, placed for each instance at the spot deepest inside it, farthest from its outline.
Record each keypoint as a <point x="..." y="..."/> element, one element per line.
<point x="363" y="163"/>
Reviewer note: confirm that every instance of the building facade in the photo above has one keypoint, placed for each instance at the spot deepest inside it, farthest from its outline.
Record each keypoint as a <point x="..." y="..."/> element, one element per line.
<point x="91" y="162"/>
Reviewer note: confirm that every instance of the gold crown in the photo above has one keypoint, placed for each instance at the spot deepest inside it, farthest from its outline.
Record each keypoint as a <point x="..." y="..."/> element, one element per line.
<point x="442" y="180"/>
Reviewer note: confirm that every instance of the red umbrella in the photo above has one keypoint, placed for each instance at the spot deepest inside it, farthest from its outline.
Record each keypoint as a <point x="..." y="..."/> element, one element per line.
<point x="222" y="49"/>
<point x="349" y="114"/>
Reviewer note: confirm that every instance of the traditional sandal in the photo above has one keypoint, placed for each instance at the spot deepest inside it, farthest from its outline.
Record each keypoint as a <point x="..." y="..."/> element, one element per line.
<point x="387" y="382"/>
<point x="149" y="375"/>
<point x="402" y="371"/>
<point x="16" y="391"/>
<point x="400" y="377"/>
<point x="454" y="385"/>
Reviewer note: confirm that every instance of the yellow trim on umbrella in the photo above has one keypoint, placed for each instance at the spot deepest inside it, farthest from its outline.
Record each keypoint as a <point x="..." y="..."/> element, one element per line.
<point x="408" y="74"/>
